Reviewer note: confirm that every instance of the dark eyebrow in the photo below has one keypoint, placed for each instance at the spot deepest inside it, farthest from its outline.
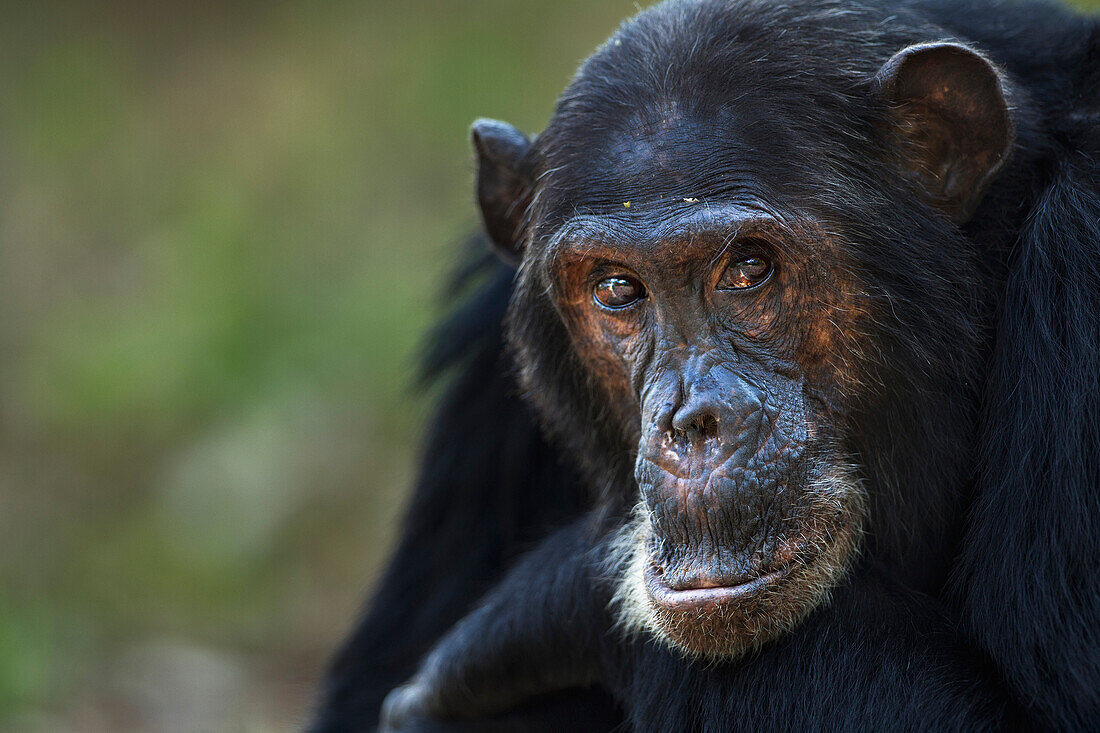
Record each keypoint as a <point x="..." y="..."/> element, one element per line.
<point x="725" y="223"/>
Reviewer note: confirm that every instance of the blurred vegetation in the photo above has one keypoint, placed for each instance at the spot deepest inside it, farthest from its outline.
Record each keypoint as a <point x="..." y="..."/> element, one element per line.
<point x="223" y="230"/>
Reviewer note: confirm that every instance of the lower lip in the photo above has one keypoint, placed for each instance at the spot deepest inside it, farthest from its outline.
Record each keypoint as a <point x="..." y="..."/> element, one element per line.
<point x="664" y="595"/>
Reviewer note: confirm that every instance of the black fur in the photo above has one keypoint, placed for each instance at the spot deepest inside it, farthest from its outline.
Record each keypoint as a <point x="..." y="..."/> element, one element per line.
<point x="879" y="656"/>
<point x="990" y="483"/>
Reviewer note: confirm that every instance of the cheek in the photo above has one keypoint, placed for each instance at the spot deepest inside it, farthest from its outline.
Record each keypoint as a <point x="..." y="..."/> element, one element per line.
<point x="611" y="350"/>
<point x="633" y="349"/>
<point x="760" y="316"/>
<point x="833" y="337"/>
<point x="815" y="318"/>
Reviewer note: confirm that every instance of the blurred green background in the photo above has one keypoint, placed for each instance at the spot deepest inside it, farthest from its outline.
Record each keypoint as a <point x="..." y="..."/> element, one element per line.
<point x="223" y="230"/>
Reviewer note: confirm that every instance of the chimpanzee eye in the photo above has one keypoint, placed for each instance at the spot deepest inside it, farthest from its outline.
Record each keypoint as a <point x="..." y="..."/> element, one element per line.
<point x="619" y="291"/>
<point x="745" y="274"/>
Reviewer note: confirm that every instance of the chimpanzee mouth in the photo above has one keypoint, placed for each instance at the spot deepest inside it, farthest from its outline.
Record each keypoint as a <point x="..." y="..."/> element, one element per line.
<point x="804" y="558"/>
<point x="720" y="607"/>
<point x="664" y="595"/>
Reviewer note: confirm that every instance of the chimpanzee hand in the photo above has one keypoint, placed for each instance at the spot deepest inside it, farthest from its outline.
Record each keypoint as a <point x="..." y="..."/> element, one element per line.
<point x="520" y="660"/>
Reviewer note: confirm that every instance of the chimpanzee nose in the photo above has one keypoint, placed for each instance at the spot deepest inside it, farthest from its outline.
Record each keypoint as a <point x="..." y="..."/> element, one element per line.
<point x="697" y="419"/>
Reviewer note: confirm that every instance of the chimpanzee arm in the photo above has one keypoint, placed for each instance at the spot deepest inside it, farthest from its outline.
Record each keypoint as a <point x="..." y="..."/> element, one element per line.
<point x="540" y="631"/>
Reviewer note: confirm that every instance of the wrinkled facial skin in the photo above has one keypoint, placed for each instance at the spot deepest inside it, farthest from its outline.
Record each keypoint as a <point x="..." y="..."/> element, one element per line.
<point x="748" y="511"/>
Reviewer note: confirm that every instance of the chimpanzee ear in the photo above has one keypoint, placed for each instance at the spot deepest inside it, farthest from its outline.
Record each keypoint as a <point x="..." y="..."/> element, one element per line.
<point x="949" y="105"/>
<point x="504" y="184"/>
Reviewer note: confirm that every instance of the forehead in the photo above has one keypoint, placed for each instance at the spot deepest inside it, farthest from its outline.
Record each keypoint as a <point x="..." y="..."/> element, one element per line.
<point x="664" y="150"/>
<point x="654" y="147"/>
<point x="709" y="100"/>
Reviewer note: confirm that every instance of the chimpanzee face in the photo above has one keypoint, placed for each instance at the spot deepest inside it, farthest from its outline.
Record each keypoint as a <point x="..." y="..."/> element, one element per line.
<point x="722" y="329"/>
<point x="695" y="243"/>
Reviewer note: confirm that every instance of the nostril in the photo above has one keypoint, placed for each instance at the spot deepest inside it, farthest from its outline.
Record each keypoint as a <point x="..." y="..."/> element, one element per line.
<point x="705" y="426"/>
<point x="695" y="424"/>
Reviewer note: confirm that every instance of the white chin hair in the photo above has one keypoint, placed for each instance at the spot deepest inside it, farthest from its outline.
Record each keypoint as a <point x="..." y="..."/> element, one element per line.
<point x="633" y="610"/>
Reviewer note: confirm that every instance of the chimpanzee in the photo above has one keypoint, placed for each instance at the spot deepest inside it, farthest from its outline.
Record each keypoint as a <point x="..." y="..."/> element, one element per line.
<point x="807" y="301"/>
